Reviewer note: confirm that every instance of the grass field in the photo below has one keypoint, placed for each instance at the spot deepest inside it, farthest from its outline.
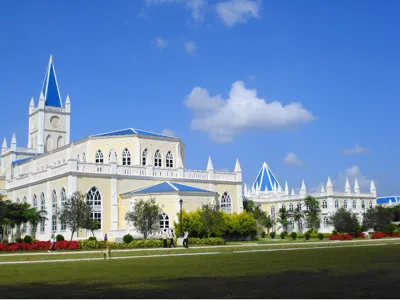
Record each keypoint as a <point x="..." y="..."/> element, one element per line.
<point x="333" y="272"/>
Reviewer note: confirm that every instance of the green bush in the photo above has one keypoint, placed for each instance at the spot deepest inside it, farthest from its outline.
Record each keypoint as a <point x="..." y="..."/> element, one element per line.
<point x="321" y="236"/>
<point x="283" y="235"/>
<point x="92" y="238"/>
<point x="28" y="239"/>
<point x="307" y="235"/>
<point x="59" y="238"/>
<point x="313" y="233"/>
<point x="19" y="240"/>
<point x="127" y="238"/>
<point x="389" y="228"/>
<point x="254" y="238"/>
<point x="300" y="236"/>
<point x="293" y="235"/>
<point x="334" y="232"/>
<point x="272" y="235"/>
<point x="263" y="234"/>
<point x="327" y="235"/>
<point x="397" y="230"/>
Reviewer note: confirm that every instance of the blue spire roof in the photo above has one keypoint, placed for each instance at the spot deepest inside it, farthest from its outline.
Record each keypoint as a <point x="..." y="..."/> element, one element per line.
<point x="266" y="180"/>
<point x="130" y="131"/>
<point x="50" y="88"/>
<point x="168" y="187"/>
<point x="385" y="200"/>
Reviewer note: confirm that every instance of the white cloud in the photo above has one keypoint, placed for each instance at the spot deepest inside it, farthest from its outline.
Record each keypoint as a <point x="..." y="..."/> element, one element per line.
<point x="356" y="150"/>
<point x="352" y="173"/>
<point x="293" y="159"/>
<point x="168" y="132"/>
<point x="161" y="43"/>
<point x="224" y="119"/>
<point x="238" y="11"/>
<point x="190" y="47"/>
<point x="195" y="6"/>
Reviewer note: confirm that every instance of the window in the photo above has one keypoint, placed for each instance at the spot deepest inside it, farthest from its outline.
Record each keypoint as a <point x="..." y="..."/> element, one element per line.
<point x="24" y="225"/>
<point x="157" y="159"/>
<point x="299" y="206"/>
<point x="301" y="225"/>
<point x="283" y="206"/>
<point x="345" y="204"/>
<point x="226" y="203"/>
<point x="354" y="204"/>
<point x="164" y="222"/>
<point x="99" y="158"/>
<point x="60" y="142"/>
<point x="144" y="157"/>
<point x="370" y="204"/>
<point x="336" y="203"/>
<point x="34" y="201"/>
<point x="112" y="156"/>
<point x="83" y="157"/>
<point x="169" y="160"/>
<point x="272" y="212"/>
<point x="54" y="211"/>
<point x="93" y="199"/>
<point x="362" y="204"/>
<point x="77" y="157"/>
<point x="126" y="157"/>
<point x="63" y="200"/>
<point x="42" y="207"/>
<point x="325" y="222"/>
<point x="290" y="207"/>
<point x="18" y="201"/>
<point x="324" y="203"/>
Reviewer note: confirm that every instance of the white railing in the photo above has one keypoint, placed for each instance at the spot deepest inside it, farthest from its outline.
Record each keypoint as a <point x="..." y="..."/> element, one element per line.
<point x="165" y="173"/>
<point x="134" y="171"/>
<point x="94" y="168"/>
<point x="189" y="174"/>
<point x="224" y="176"/>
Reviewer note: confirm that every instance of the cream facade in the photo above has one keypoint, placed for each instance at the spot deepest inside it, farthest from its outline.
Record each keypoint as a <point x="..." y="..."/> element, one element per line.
<point x="105" y="167"/>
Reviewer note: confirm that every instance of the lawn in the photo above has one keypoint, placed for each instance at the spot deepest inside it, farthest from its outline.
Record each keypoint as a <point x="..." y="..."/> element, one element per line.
<point x="354" y="272"/>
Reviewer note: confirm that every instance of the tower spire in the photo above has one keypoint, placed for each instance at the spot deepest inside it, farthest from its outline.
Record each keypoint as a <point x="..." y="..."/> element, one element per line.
<point x="50" y="88"/>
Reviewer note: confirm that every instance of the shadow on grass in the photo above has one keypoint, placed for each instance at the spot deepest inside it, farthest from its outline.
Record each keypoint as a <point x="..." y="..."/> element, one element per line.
<point x="293" y="284"/>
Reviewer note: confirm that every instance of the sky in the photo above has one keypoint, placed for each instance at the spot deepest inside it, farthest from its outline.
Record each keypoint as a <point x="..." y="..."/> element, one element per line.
<point x="310" y="87"/>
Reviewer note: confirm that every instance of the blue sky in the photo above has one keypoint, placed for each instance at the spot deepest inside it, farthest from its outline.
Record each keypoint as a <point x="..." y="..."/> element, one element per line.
<point x="161" y="64"/>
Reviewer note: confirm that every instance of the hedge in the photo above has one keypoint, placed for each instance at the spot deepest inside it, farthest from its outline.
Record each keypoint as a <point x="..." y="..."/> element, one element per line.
<point x="70" y="245"/>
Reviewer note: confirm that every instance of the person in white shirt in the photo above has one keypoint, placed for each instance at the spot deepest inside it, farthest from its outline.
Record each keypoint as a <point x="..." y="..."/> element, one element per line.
<point x="186" y="240"/>
<point x="171" y="238"/>
<point x="52" y="242"/>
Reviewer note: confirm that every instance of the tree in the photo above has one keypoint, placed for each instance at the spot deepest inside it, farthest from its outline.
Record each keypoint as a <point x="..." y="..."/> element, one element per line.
<point x="75" y="213"/>
<point x="312" y="211"/>
<point x="283" y="218"/>
<point x="268" y="223"/>
<point x="344" y="221"/>
<point x="377" y="218"/>
<point x="248" y="205"/>
<point x="17" y="213"/>
<point x="145" y="216"/>
<point x="35" y="217"/>
<point x="297" y="216"/>
<point x="213" y="220"/>
<point x="92" y="225"/>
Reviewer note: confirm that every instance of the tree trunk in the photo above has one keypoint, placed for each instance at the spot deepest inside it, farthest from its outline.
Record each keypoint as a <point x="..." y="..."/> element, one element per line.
<point x="12" y="234"/>
<point x="72" y="234"/>
<point x="5" y="234"/>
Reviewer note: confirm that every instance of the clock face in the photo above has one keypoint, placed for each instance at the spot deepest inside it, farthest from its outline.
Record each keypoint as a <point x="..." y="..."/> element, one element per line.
<point x="55" y="121"/>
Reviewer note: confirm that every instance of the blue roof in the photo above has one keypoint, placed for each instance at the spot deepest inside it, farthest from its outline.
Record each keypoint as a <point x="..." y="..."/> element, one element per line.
<point x="130" y="131"/>
<point x="167" y="187"/>
<point x="385" y="200"/>
<point x="20" y="161"/>
<point x="50" y="88"/>
<point x="266" y="179"/>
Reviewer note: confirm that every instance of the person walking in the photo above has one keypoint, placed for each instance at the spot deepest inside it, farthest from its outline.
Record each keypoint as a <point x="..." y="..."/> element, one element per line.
<point x="164" y="239"/>
<point x="186" y="240"/>
<point x="52" y="242"/>
<point x="171" y="238"/>
<point x="105" y="238"/>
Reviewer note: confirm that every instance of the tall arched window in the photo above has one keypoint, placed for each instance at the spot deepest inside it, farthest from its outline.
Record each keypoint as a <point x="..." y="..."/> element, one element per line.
<point x="24" y="225"/>
<point x="354" y="204"/>
<point x="169" y="160"/>
<point x="83" y="157"/>
<point x="272" y="212"/>
<point x="99" y="158"/>
<point x="63" y="200"/>
<point x="18" y="201"/>
<point x="299" y="206"/>
<point x="164" y="222"/>
<point x="226" y="203"/>
<point x="93" y="199"/>
<point x="370" y="204"/>
<point x="362" y="204"/>
<point x="77" y="158"/>
<point x="301" y="225"/>
<point x="324" y="204"/>
<point x="157" y="159"/>
<point x="144" y="157"/>
<point x="112" y="156"/>
<point x="42" y="207"/>
<point x="336" y="203"/>
<point x="49" y="143"/>
<point x="290" y="207"/>
<point x="54" y="211"/>
<point x="126" y="157"/>
<point x="345" y="204"/>
<point x="325" y="222"/>
<point x="60" y="142"/>
<point x="283" y="206"/>
<point x="34" y="201"/>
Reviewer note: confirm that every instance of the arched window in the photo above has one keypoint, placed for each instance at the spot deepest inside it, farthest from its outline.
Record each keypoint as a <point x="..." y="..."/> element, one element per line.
<point x="49" y="143"/>
<point x="354" y="204"/>
<point x="24" y="200"/>
<point x="325" y="222"/>
<point x="42" y="207"/>
<point x="169" y="160"/>
<point x="18" y="201"/>
<point x="283" y="206"/>
<point x="93" y="199"/>
<point x="112" y="156"/>
<point x="24" y="225"/>
<point x="226" y="203"/>
<point x="63" y="200"/>
<point x="157" y="159"/>
<point x="345" y="204"/>
<point x="290" y="207"/>
<point x="301" y="225"/>
<point x="370" y="204"/>
<point x="324" y="204"/>
<point x="144" y="157"/>
<point x="83" y="157"/>
<point x="60" y="142"/>
<point x="272" y="212"/>
<point x="164" y="222"/>
<point x="99" y="158"/>
<point x="126" y="157"/>
<point x="54" y="211"/>
<point x="336" y="203"/>
<point x="77" y="157"/>
<point x="34" y="202"/>
<point x="299" y="206"/>
<point x="362" y="204"/>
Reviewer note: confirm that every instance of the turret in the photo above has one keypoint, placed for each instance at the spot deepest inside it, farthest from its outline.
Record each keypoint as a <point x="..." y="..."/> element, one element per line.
<point x="31" y="105"/>
<point x="303" y="190"/>
<point x="14" y="143"/>
<point x="356" y="187"/>
<point x="4" y="146"/>
<point x="210" y="166"/>
<point x="293" y="192"/>
<point x="372" y="188"/>
<point x="41" y="100"/>
<point x="347" y="188"/>
<point x="237" y="166"/>
<point x="322" y="189"/>
<point x="329" y="187"/>
<point x="286" y="188"/>
<point x="68" y="104"/>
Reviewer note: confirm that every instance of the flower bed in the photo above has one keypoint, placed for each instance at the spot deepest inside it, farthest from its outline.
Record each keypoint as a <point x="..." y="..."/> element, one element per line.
<point x="378" y="235"/>
<point x="340" y="237"/>
<point x="70" y="245"/>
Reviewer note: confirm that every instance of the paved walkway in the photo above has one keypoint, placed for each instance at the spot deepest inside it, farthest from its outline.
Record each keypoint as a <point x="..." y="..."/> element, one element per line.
<point x="186" y="254"/>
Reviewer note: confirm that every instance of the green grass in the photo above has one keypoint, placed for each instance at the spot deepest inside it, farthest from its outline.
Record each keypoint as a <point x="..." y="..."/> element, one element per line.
<point x="367" y="272"/>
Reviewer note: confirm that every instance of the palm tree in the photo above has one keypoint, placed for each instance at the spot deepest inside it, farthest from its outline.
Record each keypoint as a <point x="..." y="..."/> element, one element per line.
<point x="283" y="216"/>
<point x="35" y="217"/>
<point x="312" y="210"/>
<point x="268" y="223"/>
<point x="297" y="217"/>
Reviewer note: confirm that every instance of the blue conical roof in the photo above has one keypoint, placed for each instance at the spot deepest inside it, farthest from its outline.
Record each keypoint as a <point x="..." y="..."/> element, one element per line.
<point x="266" y="180"/>
<point x="50" y="88"/>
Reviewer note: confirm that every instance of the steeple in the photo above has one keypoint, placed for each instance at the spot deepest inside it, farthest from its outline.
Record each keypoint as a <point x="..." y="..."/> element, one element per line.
<point x="347" y="188"/>
<point x="329" y="187"/>
<point x="50" y="88"/>
<point x="210" y="166"/>
<point x="372" y="188"/>
<point x="292" y="192"/>
<point x="4" y="146"/>
<point x="237" y="166"/>
<point x="322" y="189"/>
<point x="286" y="188"/>
<point x="303" y="188"/>
<point x="356" y="187"/>
<point x="14" y="142"/>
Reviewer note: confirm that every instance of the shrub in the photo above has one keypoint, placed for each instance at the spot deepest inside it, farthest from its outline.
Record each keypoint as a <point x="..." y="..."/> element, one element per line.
<point x="389" y="228"/>
<point x="327" y="235"/>
<point x="59" y="238"/>
<point x="340" y="237"/>
<point x="313" y="233"/>
<point x="378" y="235"/>
<point x="263" y="234"/>
<point x="19" y="240"/>
<point x="307" y="235"/>
<point x="28" y="239"/>
<point x="127" y="238"/>
<point x="334" y="231"/>
<point x="293" y="235"/>
<point x="272" y="235"/>
<point x="320" y="236"/>
<point x="92" y="238"/>
<point x="360" y="235"/>
<point x="300" y="236"/>
<point x="283" y="235"/>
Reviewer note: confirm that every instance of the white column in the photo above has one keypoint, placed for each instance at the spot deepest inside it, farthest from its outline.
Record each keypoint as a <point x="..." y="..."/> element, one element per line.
<point x="137" y="156"/>
<point x="48" y="208"/>
<point x="239" y="198"/>
<point x="114" y="198"/>
<point x="40" y="143"/>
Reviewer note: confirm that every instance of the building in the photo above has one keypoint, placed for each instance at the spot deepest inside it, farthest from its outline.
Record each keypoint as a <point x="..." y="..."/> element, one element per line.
<point x="388" y="201"/>
<point x="113" y="169"/>
<point x="267" y="191"/>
